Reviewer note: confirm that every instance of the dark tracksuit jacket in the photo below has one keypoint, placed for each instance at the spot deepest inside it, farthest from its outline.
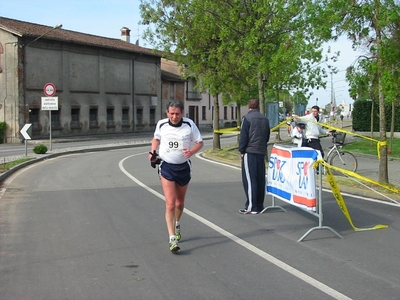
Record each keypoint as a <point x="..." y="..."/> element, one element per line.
<point x="254" y="136"/>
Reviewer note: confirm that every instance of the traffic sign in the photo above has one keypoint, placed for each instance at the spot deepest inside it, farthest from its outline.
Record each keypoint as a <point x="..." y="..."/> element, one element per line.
<point x="49" y="89"/>
<point x="49" y="103"/>
<point x="24" y="131"/>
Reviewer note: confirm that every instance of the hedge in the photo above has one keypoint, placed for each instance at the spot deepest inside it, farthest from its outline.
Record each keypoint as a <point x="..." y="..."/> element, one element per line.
<point x="362" y="116"/>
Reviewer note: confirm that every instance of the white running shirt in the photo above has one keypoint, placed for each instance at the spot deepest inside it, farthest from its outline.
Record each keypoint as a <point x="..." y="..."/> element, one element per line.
<point x="173" y="139"/>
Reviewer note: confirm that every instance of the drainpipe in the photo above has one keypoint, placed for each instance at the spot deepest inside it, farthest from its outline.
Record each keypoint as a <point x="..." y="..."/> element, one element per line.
<point x="5" y="83"/>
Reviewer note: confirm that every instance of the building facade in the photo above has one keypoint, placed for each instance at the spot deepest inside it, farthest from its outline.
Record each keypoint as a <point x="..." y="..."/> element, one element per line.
<point x="103" y="85"/>
<point x="199" y="104"/>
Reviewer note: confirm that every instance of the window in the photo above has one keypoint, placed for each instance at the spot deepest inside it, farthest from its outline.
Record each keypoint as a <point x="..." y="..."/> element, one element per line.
<point x="139" y="116"/>
<point x="171" y="91"/>
<point x="55" y="119"/>
<point x="152" y="116"/>
<point x="125" y="117"/>
<point x="232" y="113"/>
<point x="75" y="118"/>
<point x="225" y="113"/>
<point x="110" y="116"/>
<point x="204" y="113"/>
<point x="34" y="118"/>
<point x="93" y="117"/>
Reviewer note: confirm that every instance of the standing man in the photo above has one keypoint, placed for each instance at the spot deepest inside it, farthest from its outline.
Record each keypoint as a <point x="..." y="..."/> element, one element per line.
<point x="174" y="136"/>
<point x="313" y="130"/>
<point x="254" y="136"/>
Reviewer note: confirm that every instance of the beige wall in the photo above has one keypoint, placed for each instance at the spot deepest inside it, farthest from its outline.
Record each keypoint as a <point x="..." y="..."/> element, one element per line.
<point x="85" y="78"/>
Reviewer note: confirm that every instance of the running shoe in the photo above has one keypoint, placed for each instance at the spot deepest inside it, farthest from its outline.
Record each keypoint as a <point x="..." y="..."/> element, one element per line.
<point x="244" y="211"/>
<point x="178" y="232"/>
<point x="173" y="246"/>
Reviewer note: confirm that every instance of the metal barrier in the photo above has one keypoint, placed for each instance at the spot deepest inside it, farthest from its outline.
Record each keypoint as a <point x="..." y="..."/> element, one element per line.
<point x="291" y="167"/>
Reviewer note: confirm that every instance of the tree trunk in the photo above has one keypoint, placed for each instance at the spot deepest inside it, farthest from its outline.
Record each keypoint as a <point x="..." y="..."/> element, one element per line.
<point x="216" y="138"/>
<point x="372" y="122"/>
<point x="261" y="93"/>
<point x="392" y="129"/>
<point x="239" y="119"/>
<point x="383" y="161"/>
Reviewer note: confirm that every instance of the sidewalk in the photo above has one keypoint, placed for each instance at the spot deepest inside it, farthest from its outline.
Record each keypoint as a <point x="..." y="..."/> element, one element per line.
<point x="368" y="166"/>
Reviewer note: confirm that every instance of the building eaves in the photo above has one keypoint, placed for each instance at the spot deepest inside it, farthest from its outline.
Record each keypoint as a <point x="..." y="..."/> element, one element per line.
<point x="168" y="76"/>
<point x="26" y="29"/>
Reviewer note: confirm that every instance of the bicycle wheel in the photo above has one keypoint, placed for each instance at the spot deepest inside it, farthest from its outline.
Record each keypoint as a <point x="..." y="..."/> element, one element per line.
<point x="343" y="160"/>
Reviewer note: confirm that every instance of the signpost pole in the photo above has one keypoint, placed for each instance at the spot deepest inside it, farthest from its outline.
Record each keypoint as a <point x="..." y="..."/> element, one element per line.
<point x="49" y="103"/>
<point x="51" y="145"/>
<point x="26" y="136"/>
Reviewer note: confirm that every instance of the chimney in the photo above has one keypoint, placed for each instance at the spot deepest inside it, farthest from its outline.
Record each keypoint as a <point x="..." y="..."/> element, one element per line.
<point x="125" y="34"/>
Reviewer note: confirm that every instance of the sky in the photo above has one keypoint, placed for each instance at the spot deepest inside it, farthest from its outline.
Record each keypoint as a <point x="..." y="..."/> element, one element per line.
<point x="107" y="17"/>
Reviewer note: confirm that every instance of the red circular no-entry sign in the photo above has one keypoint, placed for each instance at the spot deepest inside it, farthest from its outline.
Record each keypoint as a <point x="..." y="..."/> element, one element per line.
<point x="49" y="89"/>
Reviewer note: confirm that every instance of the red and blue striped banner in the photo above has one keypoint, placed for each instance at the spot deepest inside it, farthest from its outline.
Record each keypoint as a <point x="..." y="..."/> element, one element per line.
<point x="291" y="177"/>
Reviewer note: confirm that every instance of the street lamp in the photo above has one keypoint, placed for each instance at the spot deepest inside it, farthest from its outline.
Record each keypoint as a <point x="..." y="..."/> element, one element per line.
<point x="55" y="27"/>
<point x="24" y="68"/>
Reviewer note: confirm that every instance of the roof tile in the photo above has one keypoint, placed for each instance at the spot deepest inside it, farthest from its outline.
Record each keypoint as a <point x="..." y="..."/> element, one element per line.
<point x="26" y="29"/>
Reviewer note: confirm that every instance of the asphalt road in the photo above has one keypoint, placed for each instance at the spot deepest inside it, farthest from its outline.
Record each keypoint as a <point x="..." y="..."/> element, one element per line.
<point x="368" y="166"/>
<point x="91" y="226"/>
<point x="12" y="150"/>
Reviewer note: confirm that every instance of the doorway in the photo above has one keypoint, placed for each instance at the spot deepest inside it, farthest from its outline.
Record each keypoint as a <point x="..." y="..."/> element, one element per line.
<point x="194" y="114"/>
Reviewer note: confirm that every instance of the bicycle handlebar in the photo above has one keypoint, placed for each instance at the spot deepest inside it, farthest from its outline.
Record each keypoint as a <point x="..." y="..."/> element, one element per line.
<point x="334" y="133"/>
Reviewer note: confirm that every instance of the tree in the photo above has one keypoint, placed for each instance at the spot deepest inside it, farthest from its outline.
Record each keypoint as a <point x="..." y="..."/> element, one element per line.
<point x="368" y="23"/>
<point x="187" y="36"/>
<point x="234" y="46"/>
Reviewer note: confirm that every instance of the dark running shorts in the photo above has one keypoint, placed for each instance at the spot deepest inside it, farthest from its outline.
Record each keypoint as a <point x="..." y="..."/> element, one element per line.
<point x="180" y="173"/>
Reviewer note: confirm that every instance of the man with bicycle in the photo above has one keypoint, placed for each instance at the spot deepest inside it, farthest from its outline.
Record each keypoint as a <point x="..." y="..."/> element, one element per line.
<point x="313" y="130"/>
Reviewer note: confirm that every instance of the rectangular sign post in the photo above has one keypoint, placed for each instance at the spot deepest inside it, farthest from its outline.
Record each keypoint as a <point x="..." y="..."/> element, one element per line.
<point x="50" y="104"/>
<point x="25" y="134"/>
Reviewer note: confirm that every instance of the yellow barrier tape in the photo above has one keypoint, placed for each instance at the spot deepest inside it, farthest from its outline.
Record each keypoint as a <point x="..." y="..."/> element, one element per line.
<point x="358" y="176"/>
<point x="339" y="198"/>
<point x="281" y="124"/>
<point x="236" y="130"/>
<point x="379" y="144"/>
<point x="347" y="132"/>
<point x="233" y="130"/>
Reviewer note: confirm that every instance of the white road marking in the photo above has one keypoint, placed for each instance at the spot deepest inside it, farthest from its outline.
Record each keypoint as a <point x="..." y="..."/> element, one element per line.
<point x="308" y="279"/>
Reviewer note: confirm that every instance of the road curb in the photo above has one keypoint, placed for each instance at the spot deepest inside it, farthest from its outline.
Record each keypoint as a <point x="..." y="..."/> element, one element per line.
<point x="8" y="173"/>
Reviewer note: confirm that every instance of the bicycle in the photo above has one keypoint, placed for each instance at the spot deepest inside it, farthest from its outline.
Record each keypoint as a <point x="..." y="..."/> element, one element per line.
<point x="340" y="158"/>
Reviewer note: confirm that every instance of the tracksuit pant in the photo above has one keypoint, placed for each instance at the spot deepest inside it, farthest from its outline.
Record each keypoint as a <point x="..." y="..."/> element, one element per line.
<point x="253" y="178"/>
<point x="315" y="144"/>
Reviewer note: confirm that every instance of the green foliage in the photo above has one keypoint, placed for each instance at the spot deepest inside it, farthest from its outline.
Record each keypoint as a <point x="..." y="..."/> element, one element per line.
<point x="40" y="149"/>
<point x="3" y="126"/>
<point x="242" y="47"/>
<point x="362" y="116"/>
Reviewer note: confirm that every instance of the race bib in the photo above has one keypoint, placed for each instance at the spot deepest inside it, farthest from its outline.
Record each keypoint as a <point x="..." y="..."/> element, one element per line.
<point x="175" y="145"/>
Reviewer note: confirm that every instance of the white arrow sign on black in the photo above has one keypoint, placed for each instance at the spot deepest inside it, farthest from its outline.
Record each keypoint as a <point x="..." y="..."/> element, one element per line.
<point x="24" y="131"/>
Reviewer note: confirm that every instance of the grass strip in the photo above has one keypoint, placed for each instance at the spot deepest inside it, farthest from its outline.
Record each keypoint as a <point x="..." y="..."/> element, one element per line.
<point x="7" y="166"/>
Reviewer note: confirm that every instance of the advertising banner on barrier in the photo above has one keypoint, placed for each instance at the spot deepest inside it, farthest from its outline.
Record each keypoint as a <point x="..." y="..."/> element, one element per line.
<point x="290" y="176"/>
